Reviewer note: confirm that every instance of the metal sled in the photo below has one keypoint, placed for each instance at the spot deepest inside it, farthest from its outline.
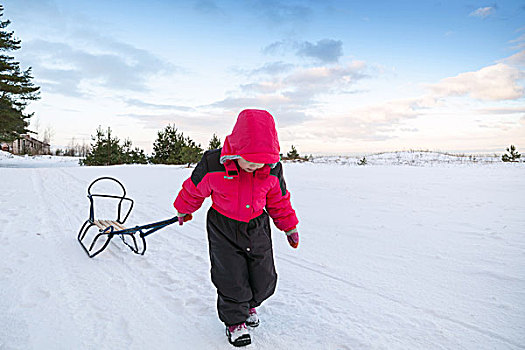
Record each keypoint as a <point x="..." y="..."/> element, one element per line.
<point x="105" y="230"/>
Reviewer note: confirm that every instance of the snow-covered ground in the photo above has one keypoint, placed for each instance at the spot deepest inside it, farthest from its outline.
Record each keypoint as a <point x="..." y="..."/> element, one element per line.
<point x="415" y="158"/>
<point x="8" y="160"/>
<point x="391" y="257"/>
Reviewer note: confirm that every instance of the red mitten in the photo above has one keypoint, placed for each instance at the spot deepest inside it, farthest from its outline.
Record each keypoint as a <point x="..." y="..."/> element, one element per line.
<point x="293" y="238"/>
<point x="184" y="217"/>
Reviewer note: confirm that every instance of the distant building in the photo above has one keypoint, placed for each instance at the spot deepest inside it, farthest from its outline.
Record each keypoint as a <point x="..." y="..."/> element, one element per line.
<point x="28" y="145"/>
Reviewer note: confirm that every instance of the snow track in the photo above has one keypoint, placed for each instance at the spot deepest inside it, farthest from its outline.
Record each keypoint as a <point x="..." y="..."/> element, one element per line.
<point x="390" y="258"/>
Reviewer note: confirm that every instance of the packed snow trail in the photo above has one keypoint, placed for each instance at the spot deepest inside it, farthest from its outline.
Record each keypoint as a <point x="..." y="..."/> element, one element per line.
<point x="390" y="258"/>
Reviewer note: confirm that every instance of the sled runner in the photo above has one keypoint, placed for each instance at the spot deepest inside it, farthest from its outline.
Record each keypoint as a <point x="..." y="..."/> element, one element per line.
<point x="101" y="231"/>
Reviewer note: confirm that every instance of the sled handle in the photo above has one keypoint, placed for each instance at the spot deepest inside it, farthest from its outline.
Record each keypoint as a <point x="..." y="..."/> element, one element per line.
<point x="109" y="232"/>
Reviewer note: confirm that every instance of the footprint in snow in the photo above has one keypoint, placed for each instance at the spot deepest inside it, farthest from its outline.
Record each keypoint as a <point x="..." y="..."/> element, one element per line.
<point x="32" y="297"/>
<point x="175" y="305"/>
<point x="6" y="272"/>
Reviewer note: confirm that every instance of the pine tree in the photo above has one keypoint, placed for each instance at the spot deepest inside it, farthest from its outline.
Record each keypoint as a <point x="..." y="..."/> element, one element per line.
<point x="138" y="156"/>
<point x="167" y="146"/>
<point x="293" y="154"/>
<point x="16" y="87"/>
<point x="215" y="142"/>
<point x="132" y="156"/>
<point x="171" y="147"/>
<point x="191" y="154"/>
<point x="513" y="155"/>
<point x="106" y="150"/>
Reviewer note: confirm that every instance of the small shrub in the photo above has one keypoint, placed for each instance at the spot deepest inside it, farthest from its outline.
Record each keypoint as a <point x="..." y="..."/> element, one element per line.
<point x="294" y="155"/>
<point x="513" y="155"/>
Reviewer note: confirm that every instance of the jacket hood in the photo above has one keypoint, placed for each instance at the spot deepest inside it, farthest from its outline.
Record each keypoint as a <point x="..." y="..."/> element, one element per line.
<point x="254" y="138"/>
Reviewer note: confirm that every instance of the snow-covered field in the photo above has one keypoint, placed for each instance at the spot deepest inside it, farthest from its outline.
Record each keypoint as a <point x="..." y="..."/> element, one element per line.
<point x="8" y="160"/>
<point x="391" y="257"/>
<point x="415" y="158"/>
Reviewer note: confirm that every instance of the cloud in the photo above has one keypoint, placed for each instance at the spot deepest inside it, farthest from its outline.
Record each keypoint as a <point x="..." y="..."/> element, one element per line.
<point x="273" y="68"/>
<point x="518" y="59"/>
<point x="483" y="12"/>
<point x="286" y="111"/>
<point x="324" y="51"/>
<point x="139" y="103"/>
<point x="327" y="76"/>
<point x="281" y="12"/>
<point x="270" y="68"/>
<point x="265" y="87"/>
<point x="372" y="123"/>
<point x="310" y="82"/>
<point x="277" y="46"/>
<point x="68" y="70"/>
<point x="307" y="83"/>
<point x="353" y="126"/>
<point x="409" y="129"/>
<point x="156" y="121"/>
<point x="293" y="95"/>
<point x="502" y="111"/>
<point x="496" y="82"/>
<point x="386" y="120"/>
<point x="60" y="81"/>
<point x="304" y="84"/>
<point x="199" y="124"/>
<point x="520" y="43"/>
<point x="382" y="121"/>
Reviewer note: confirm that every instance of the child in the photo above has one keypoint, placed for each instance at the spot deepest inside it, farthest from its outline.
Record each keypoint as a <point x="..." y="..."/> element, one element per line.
<point x="243" y="178"/>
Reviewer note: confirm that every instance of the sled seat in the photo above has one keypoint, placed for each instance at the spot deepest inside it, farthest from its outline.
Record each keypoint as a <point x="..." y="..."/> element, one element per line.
<point x="104" y="224"/>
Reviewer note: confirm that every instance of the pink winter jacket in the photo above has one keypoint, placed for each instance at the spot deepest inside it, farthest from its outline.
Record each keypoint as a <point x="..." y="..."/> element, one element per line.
<point x="235" y="193"/>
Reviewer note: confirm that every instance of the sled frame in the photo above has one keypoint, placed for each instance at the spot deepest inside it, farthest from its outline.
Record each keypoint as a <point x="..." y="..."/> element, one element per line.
<point x="111" y="228"/>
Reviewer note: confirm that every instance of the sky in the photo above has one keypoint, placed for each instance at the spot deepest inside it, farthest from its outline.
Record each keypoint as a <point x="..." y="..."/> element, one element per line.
<point x="339" y="77"/>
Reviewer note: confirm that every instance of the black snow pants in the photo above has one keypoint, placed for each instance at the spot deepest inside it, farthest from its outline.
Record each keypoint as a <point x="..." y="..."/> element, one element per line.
<point x="242" y="267"/>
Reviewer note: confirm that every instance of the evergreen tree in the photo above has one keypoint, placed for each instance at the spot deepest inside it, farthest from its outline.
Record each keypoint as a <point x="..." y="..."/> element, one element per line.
<point x="191" y="154"/>
<point x="293" y="154"/>
<point x="167" y="146"/>
<point x="171" y="147"/>
<point x="16" y="87"/>
<point x="138" y="156"/>
<point x="215" y="143"/>
<point x="513" y="155"/>
<point x="105" y="150"/>
<point x="133" y="156"/>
